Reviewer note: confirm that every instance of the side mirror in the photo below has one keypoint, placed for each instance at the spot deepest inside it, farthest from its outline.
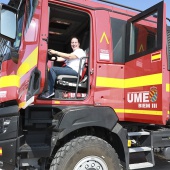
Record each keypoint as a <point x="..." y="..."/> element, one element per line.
<point x="8" y="22"/>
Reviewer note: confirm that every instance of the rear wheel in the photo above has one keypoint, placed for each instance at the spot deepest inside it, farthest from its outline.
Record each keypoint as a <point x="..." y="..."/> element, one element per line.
<point x="86" y="153"/>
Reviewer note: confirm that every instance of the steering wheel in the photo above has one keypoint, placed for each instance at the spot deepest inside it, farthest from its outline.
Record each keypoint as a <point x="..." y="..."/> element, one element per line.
<point x="52" y="57"/>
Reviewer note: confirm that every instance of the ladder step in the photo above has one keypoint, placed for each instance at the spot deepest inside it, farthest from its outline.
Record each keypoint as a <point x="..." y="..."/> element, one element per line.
<point x="139" y="149"/>
<point x="141" y="165"/>
<point x="34" y="147"/>
<point x="138" y="133"/>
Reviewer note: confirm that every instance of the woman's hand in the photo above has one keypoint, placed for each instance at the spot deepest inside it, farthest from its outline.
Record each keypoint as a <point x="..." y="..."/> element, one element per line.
<point x="52" y="52"/>
<point x="52" y="55"/>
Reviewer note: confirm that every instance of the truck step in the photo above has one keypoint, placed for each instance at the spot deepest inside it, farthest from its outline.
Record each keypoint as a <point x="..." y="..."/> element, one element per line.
<point x="141" y="165"/>
<point x="138" y="133"/>
<point x="141" y="146"/>
<point x="139" y="149"/>
<point x="35" y="150"/>
<point x="39" y="146"/>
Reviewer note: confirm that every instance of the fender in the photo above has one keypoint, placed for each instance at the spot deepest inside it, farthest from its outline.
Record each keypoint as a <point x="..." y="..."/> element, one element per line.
<point x="123" y="148"/>
<point x="73" y="118"/>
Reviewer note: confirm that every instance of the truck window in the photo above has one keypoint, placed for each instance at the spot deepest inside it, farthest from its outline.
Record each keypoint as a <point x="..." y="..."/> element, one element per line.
<point x="4" y="44"/>
<point x="143" y="35"/>
<point x="3" y="49"/>
<point x="118" y="39"/>
<point x="30" y="8"/>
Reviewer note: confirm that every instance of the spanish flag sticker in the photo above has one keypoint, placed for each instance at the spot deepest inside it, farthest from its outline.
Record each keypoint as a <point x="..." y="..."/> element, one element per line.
<point x="156" y="57"/>
<point x="0" y="151"/>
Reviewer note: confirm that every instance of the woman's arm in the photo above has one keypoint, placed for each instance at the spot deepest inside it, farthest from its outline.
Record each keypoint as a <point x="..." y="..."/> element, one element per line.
<point x="62" y="55"/>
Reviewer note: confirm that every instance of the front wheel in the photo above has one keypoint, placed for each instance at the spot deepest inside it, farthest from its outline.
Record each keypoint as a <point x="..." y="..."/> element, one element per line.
<point x="86" y="153"/>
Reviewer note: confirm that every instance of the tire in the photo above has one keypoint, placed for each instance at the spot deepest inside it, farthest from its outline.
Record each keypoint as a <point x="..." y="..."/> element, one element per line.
<point x="86" y="153"/>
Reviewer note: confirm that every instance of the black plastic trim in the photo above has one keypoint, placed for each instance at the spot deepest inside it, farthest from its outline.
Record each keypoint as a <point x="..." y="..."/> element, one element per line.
<point x="161" y="138"/>
<point x="8" y="157"/>
<point x="9" y="111"/>
<point x="34" y="83"/>
<point x="73" y="118"/>
<point x="122" y="133"/>
<point x="12" y="129"/>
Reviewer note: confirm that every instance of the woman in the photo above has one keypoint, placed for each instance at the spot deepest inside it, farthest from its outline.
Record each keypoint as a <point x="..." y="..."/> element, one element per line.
<point x="72" y="61"/>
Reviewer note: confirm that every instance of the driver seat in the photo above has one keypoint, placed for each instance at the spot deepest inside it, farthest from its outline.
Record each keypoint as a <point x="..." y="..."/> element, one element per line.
<point x="75" y="83"/>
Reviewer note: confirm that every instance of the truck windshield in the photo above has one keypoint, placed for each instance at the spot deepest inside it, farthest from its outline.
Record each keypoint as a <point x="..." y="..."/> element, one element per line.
<point x="13" y="3"/>
<point x="5" y="50"/>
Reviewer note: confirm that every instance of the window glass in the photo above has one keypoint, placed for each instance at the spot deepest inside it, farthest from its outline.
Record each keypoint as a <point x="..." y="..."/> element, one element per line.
<point x="32" y="32"/>
<point x="5" y="50"/>
<point x="8" y="18"/>
<point x="29" y="12"/>
<point x="118" y="39"/>
<point x="143" y="35"/>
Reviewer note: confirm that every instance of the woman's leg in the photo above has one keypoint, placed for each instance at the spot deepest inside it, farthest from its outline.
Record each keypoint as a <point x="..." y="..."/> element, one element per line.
<point x="56" y="71"/>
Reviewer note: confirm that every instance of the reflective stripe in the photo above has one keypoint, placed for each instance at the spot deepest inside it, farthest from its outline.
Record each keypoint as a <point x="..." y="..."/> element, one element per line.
<point x="14" y="80"/>
<point x="9" y="81"/>
<point x="167" y="87"/>
<point x="148" y="80"/>
<point x="0" y="151"/>
<point x="29" y="63"/>
<point x="22" y="104"/>
<point x="142" y="112"/>
<point x="56" y="102"/>
<point x="155" y="57"/>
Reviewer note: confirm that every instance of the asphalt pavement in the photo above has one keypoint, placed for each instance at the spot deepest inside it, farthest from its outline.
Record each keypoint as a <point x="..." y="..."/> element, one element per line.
<point x="160" y="164"/>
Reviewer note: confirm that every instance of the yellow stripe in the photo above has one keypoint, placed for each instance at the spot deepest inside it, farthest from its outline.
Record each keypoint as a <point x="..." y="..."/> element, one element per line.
<point x="22" y="104"/>
<point x="167" y="87"/>
<point x="29" y="63"/>
<point x="143" y="112"/>
<point x="109" y="82"/>
<point x="156" y="57"/>
<point x="153" y="79"/>
<point x="8" y="81"/>
<point x="129" y="143"/>
<point x="56" y="102"/>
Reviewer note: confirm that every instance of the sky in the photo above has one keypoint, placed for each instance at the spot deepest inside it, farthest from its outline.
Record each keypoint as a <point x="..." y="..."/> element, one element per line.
<point x="138" y="4"/>
<point x="4" y="1"/>
<point x="143" y="4"/>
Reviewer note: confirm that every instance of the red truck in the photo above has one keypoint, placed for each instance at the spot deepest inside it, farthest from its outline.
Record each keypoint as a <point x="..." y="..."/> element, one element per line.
<point x="114" y="116"/>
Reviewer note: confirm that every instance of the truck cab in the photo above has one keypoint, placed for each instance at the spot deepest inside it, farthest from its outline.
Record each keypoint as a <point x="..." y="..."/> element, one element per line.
<point x="118" y="105"/>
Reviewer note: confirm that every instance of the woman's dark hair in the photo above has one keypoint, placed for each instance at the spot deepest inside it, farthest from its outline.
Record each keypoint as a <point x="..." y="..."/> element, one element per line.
<point x="76" y="38"/>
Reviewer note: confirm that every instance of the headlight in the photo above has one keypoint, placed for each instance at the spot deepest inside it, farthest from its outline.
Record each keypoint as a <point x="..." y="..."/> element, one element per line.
<point x="4" y="123"/>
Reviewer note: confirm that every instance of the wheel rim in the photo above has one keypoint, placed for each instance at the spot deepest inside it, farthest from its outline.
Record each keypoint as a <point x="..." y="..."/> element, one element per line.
<point x="91" y="163"/>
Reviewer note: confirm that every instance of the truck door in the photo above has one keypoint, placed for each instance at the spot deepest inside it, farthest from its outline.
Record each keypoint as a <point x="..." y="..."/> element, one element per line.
<point x="146" y="73"/>
<point x="33" y="51"/>
<point x="20" y="69"/>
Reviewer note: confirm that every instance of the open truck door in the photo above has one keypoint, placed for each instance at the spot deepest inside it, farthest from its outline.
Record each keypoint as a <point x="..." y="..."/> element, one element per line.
<point x="35" y="45"/>
<point x="20" y="71"/>
<point x="146" y="72"/>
